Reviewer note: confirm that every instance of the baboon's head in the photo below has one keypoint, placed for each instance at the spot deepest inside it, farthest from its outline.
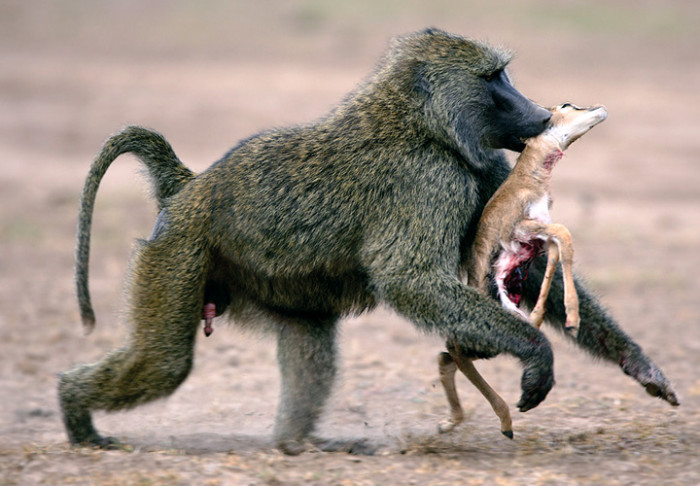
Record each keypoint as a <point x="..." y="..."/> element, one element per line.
<point x="466" y="94"/>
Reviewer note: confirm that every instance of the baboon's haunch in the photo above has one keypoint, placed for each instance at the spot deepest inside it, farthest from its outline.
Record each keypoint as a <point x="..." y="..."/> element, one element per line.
<point x="294" y="228"/>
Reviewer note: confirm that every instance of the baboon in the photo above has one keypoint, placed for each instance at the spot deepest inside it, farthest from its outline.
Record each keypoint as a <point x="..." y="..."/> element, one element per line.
<point x="514" y="228"/>
<point x="295" y="227"/>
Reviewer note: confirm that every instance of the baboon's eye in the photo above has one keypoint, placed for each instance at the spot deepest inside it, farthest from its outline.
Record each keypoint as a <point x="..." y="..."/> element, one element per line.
<point x="488" y="77"/>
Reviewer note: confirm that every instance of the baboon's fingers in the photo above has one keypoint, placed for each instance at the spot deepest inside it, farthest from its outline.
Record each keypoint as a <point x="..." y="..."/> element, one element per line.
<point x="536" y="383"/>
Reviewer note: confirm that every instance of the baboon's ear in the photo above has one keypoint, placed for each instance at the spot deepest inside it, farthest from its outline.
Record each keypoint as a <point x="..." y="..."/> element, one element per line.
<point x="421" y="83"/>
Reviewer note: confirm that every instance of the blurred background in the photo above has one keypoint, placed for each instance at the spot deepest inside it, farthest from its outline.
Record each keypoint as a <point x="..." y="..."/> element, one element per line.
<point x="206" y="74"/>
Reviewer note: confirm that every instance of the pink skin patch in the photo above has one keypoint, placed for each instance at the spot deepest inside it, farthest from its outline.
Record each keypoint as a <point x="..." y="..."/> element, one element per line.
<point x="208" y="314"/>
<point x="551" y="160"/>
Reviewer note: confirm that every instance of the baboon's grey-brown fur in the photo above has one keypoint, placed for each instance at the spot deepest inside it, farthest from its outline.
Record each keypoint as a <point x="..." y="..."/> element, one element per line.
<point x="296" y="227"/>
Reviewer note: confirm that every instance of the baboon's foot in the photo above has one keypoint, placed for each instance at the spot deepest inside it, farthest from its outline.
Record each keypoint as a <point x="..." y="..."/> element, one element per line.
<point x="76" y="416"/>
<point x="664" y="392"/>
<point x="638" y="366"/>
<point x="359" y="447"/>
<point x="82" y="433"/>
<point x="107" y="443"/>
<point x="293" y="447"/>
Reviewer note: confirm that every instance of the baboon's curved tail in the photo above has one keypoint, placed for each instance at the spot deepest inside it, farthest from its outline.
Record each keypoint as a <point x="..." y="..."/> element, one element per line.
<point x="167" y="173"/>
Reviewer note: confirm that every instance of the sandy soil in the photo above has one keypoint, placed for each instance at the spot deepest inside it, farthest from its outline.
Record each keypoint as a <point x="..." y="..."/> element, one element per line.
<point x="207" y="75"/>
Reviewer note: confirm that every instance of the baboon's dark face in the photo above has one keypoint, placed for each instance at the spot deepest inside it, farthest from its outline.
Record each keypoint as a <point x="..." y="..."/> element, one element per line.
<point x="468" y="96"/>
<point x="484" y="110"/>
<point x="512" y="117"/>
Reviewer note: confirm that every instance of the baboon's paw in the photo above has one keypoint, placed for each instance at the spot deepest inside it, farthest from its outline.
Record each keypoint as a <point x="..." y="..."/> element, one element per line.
<point x="536" y="383"/>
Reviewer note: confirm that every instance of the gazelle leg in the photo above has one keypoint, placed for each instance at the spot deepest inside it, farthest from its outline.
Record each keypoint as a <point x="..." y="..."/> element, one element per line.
<point x="447" y="368"/>
<point x="566" y="253"/>
<point x="499" y="406"/>
<point x="537" y="314"/>
<point x="558" y="234"/>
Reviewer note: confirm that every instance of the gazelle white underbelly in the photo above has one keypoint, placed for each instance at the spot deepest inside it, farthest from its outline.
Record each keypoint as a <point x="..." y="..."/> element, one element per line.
<point x="539" y="210"/>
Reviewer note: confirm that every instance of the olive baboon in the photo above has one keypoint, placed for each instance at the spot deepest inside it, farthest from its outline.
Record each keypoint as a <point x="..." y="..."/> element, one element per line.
<point x="296" y="227"/>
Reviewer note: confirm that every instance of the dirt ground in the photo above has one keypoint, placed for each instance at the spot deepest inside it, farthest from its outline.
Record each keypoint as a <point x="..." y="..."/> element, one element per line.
<point x="207" y="74"/>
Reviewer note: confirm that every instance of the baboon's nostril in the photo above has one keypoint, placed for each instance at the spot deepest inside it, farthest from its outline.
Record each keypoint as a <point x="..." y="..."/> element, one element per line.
<point x="541" y="116"/>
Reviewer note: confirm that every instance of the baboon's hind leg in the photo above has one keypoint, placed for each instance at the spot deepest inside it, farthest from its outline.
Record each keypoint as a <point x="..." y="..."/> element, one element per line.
<point x="165" y="296"/>
<point x="306" y="352"/>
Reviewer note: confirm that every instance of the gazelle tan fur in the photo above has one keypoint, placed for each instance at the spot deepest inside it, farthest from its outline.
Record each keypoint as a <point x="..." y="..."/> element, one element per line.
<point x="514" y="228"/>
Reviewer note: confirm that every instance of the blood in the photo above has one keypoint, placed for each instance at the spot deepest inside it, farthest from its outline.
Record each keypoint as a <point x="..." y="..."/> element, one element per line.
<point x="514" y="285"/>
<point x="552" y="159"/>
<point x="516" y="276"/>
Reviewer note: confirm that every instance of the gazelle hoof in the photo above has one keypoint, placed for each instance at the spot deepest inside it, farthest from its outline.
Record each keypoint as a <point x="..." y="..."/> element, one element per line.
<point x="571" y="330"/>
<point x="447" y="425"/>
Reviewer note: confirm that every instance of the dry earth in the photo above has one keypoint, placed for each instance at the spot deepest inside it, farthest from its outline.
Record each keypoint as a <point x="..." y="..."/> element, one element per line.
<point x="207" y="74"/>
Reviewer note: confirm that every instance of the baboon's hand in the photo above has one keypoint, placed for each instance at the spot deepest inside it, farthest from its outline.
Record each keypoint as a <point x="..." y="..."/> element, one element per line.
<point x="638" y="366"/>
<point x="537" y="380"/>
